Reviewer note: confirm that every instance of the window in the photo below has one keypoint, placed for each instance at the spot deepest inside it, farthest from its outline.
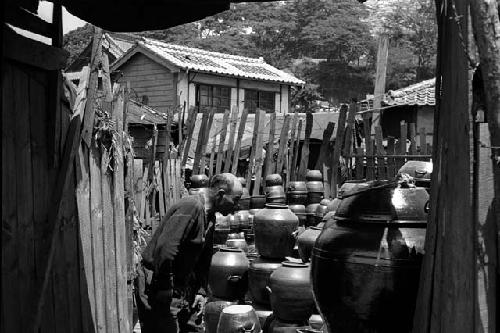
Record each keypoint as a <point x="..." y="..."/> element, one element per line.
<point x="256" y="99"/>
<point x="213" y="96"/>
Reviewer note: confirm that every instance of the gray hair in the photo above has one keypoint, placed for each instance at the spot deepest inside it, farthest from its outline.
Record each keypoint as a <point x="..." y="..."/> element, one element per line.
<point x="223" y="181"/>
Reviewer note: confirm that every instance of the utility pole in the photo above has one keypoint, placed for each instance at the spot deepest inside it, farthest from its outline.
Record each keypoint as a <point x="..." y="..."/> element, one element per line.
<point x="382" y="54"/>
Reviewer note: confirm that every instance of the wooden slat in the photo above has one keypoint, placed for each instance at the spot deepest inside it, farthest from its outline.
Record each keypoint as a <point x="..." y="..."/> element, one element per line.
<point x="97" y="240"/>
<point x="152" y="158"/>
<point x="212" y="158"/>
<point x="423" y="141"/>
<point x="168" y="130"/>
<point x="190" y="123"/>
<point x="161" y="194"/>
<point x="88" y="117"/>
<point x="220" y="152"/>
<point x="370" y="161"/>
<point x="283" y="144"/>
<point x="108" y="234"/>
<point x="359" y="163"/>
<point x="269" y="168"/>
<point x="391" y="163"/>
<point x="323" y="150"/>
<point x="402" y="144"/>
<point x="258" y="152"/>
<point x="237" y="147"/>
<point x="413" y="143"/>
<point x="304" y="156"/>
<point x="119" y="218"/>
<point x="231" y="145"/>
<point x="32" y="52"/>
<point x="23" y="19"/>
<point x="381" y="172"/>
<point x="326" y="180"/>
<point x="144" y="192"/>
<point x="10" y="260"/>
<point x="199" y="145"/>
<point x="206" y="139"/>
<point x="339" y="140"/>
<point x="292" y="146"/>
<point x="251" y="160"/>
<point x="349" y="129"/>
<point x="293" y="171"/>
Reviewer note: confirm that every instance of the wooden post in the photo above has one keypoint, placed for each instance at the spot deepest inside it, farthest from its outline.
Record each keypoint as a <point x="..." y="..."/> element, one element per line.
<point x="353" y="107"/>
<point x="269" y="169"/>
<point x="283" y="144"/>
<point x="382" y="54"/>
<point x="323" y="150"/>
<point x="293" y="132"/>
<point x="199" y="145"/>
<point x="153" y="153"/>
<point x="241" y="131"/>
<point x="212" y="157"/>
<point x="251" y="161"/>
<point x="370" y="163"/>
<point x="258" y="152"/>
<point x="381" y="173"/>
<point x="220" y="152"/>
<point x="231" y="143"/>
<point x="168" y="129"/>
<point x="304" y="156"/>
<point x="402" y="143"/>
<point x="190" y="123"/>
<point x="206" y="139"/>
<point x="339" y="139"/>
<point x="423" y="141"/>
<point x="413" y="143"/>
<point x="360" y="172"/>
<point x="293" y="171"/>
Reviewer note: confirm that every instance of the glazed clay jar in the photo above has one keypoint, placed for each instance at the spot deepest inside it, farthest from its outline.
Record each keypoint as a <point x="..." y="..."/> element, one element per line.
<point x="314" y="175"/>
<point x="238" y="319"/>
<point x="198" y="181"/>
<point x="273" y="180"/>
<point x="258" y="278"/>
<point x="212" y="314"/>
<point x="306" y="242"/>
<point x="228" y="274"/>
<point x="291" y="292"/>
<point x="274" y="227"/>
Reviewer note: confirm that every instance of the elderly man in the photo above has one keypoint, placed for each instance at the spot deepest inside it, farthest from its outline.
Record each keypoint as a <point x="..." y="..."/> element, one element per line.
<point x="180" y="251"/>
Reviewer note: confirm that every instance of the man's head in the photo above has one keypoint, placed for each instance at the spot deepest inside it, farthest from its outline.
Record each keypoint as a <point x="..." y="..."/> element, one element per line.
<point x="226" y="190"/>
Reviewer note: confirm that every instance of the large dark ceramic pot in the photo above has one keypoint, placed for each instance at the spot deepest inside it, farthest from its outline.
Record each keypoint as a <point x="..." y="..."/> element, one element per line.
<point x="257" y="201"/>
<point x="314" y="175"/>
<point x="421" y="172"/>
<point x="306" y="242"/>
<point x="238" y="319"/>
<point x="198" y="181"/>
<point x="300" y="212"/>
<point x="291" y="293"/>
<point x="366" y="262"/>
<point x="258" y="278"/>
<point x="228" y="275"/>
<point x="296" y="193"/>
<point x="275" y="325"/>
<point x="273" y="228"/>
<point x="274" y="179"/>
<point x="212" y="314"/>
<point x="275" y="194"/>
<point x="311" y="214"/>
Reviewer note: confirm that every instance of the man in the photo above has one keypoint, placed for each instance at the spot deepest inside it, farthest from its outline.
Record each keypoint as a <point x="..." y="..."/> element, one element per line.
<point x="180" y="251"/>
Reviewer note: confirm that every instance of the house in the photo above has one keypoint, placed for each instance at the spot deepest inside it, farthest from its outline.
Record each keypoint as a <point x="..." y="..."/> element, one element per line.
<point x="412" y="104"/>
<point x="165" y="75"/>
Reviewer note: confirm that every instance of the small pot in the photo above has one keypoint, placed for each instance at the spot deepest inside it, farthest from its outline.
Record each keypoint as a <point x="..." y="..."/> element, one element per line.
<point x="212" y="314"/>
<point x="320" y="213"/>
<point x="311" y="214"/>
<point x="296" y="186"/>
<point x="258" y="278"/>
<point x="238" y="319"/>
<point x="296" y="198"/>
<point x="275" y="194"/>
<point x="291" y="292"/>
<point x="238" y="243"/>
<point x="316" y="322"/>
<point x="421" y="172"/>
<point x="198" y="181"/>
<point x="297" y="208"/>
<point x="228" y="274"/>
<point x="315" y="186"/>
<point x="314" y="197"/>
<point x="273" y="180"/>
<point x="306" y="242"/>
<point x="314" y="175"/>
<point x="257" y="201"/>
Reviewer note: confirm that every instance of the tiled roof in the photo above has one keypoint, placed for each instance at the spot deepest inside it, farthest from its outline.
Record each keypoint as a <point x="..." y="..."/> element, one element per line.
<point x="421" y="93"/>
<point x="215" y="62"/>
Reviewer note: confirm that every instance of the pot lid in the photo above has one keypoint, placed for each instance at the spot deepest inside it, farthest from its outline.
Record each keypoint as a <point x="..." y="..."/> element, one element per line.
<point x="419" y="170"/>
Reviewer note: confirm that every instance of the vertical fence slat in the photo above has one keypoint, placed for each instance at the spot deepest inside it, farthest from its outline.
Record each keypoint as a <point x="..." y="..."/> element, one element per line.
<point x="381" y="171"/>
<point x="323" y="150"/>
<point x="231" y="148"/>
<point x="413" y="142"/>
<point x="270" y="145"/>
<point x="199" y="142"/>
<point x="402" y="143"/>
<point x="258" y="152"/>
<point x="370" y="165"/>
<point x="391" y="149"/>
<point x="206" y="139"/>
<point x="293" y="169"/>
<point x="283" y="143"/>
<point x="144" y="190"/>
<point x="237" y="148"/>
<point x="423" y="141"/>
<point x="160" y="190"/>
<point x="293" y="134"/>
<point x="304" y="159"/>
<point x="220" y="151"/>
<point x="212" y="157"/>
<point x="359" y="163"/>
<point x="251" y="160"/>
<point x="339" y="140"/>
<point x="190" y="124"/>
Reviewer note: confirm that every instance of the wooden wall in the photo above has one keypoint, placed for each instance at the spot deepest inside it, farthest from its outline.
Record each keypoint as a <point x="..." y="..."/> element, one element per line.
<point x="28" y="180"/>
<point x="149" y="78"/>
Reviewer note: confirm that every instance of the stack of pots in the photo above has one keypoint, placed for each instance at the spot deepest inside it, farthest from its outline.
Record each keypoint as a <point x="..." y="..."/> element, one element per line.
<point x="274" y="189"/>
<point x="368" y="254"/>
<point x="227" y="281"/>
<point x="315" y="193"/>
<point x="297" y="199"/>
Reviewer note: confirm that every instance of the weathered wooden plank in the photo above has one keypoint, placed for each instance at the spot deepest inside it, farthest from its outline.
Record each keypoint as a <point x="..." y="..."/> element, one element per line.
<point x="258" y="152"/>
<point x="168" y="130"/>
<point x="88" y="117"/>
<point x="97" y="237"/>
<point x="339" y="140"/>
<point x="326" y="181"/>
<point x="402" y="144"/>
<point x="23" y="176"/>
<point x="360" y="172"/>
<point x="391" y="163"/>
<point x="293" y="171"/>
<point x="190" y="123"/>
<point x="304" y="156"/>
<point x="232" y="132"/>
<point x="413" y="143"/>
<point x="10" y="230"/>
<point x="220" y="152"/>
<point x="32" y="52"/>
<point x="370" y="161"/>
<point x="379" y="91"/>
<point x="87" y="290"/>
<point x="59" y="283"/>
<point x="119" y="217"/>
<point x="237" y="147"/>
<point x="283" y="144"/>
<point x="212" y="158"/>
<point x="423" y="141"/>
<point x="251" y="161"/>
<point x="270" y="146"/>
<point x="327" y="133"/>
<point x="353" y="107"/>
<point x="381" y="172"/>
<point x="199" y="145"/>
<point x="161" y="193"/>
<point x="23" y="19"/>
<point x="293" y="131"/>
<point x="205" y="139"/>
